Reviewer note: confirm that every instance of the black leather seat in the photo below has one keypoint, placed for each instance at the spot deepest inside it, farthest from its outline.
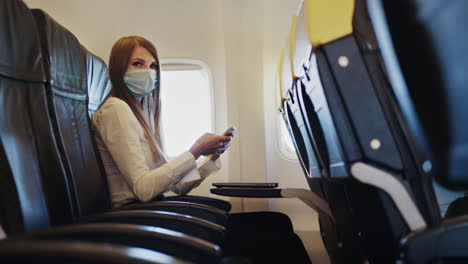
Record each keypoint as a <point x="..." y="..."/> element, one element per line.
<point x="79" y="253"/>
<point x="66" y="62"/>
<point x="26" y="203"/>
<point x="23" y="93"/>
<point x="424" y="47"/>
<point x="69" y="96"/>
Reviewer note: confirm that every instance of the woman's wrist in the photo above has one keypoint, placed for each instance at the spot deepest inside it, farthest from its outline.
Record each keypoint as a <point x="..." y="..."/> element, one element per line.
<point x="196" y="154"/>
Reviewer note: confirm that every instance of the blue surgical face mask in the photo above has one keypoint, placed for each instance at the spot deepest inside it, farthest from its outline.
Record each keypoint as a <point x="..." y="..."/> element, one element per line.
<point x="141" y="83"/>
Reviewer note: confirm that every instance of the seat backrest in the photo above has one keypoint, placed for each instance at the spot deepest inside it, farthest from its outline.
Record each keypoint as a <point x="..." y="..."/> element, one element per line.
<point x="415" y="157"/>
<point x="411" y="143"/>
<point x="429" y="47"/>
<point x="292" y="70"/>
<point x="291" y="112"/>
<point x="424" y="48"/>
<point x="320" y="131"/>
<point x="28" y="147"/>
<point x="68" y="63"/>
<point x="322" y="134"/>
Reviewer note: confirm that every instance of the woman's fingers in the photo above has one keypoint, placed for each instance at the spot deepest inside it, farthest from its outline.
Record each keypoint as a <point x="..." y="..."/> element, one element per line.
<point x="224" y="138"/>
<point x="209" y="144"/>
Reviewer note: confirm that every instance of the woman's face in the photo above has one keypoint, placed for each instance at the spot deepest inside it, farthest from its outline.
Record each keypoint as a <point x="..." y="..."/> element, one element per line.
<point x="142" y="59"/>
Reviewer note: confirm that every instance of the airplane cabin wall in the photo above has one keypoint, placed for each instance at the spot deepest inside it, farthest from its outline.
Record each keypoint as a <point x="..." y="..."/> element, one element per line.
<point x="240" y="41"/>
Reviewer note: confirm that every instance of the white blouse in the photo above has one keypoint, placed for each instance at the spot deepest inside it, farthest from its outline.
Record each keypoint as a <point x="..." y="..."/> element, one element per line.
<point x="131" y="171"/>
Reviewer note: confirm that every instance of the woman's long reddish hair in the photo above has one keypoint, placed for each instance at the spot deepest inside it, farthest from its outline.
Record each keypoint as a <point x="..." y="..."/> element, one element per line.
<point x="118" y="63"/>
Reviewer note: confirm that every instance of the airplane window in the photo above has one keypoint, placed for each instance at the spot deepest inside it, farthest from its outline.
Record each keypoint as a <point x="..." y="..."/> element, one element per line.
<point x="285" y="141"/>
<point x="187" y="104"/>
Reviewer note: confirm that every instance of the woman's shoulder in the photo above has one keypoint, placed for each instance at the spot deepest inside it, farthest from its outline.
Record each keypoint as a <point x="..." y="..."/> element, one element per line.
<point x="114" y="102"/>
<point x="113" y="106"/>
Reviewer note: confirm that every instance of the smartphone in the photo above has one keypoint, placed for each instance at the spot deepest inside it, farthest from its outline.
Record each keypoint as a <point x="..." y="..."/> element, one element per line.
<point x="229" y="132"/>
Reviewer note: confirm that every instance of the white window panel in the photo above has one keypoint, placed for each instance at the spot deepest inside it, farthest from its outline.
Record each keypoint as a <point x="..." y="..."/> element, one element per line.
<point x="285" y="142"/>
<point x="187" y="104"/>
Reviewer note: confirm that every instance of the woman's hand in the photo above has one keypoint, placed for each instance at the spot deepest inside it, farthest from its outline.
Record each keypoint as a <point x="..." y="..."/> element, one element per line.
<point x="210" y="144"/>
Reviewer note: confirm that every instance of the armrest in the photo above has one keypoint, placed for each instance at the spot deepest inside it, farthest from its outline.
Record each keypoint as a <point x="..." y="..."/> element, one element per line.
<point x="78" y="252"/>
<point x="153" y="238"/>
<point x="248" y="192"/>
<point x="449" y="240"/>
<point x="181" y="223"/>
<point x="192" y="209"/>
<point x="310" y="198"/>
<point x="213" y="202"/>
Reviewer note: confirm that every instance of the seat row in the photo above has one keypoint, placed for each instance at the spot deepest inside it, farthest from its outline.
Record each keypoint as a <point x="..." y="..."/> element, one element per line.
<point x="372" y="99"/>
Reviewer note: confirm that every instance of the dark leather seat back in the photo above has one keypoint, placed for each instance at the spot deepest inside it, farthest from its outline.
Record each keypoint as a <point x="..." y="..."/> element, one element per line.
<point x="424" y="48"/>
<point x="430" y="44"/>
<point x="67" y="68"/>
<point x="28" y="147"/>
<point x="367" y="223"/>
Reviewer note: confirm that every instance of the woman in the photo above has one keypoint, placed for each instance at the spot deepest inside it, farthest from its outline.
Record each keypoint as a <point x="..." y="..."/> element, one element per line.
<point x="128" y="131"/>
